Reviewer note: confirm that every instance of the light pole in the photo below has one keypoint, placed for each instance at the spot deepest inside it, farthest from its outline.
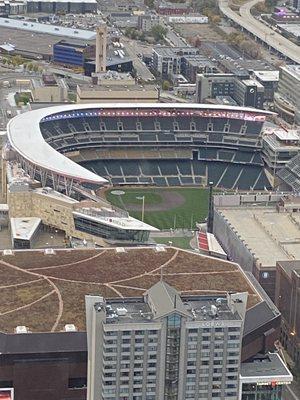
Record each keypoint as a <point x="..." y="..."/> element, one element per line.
<point x="119" y="194"/>
<point x="143" y="205"/>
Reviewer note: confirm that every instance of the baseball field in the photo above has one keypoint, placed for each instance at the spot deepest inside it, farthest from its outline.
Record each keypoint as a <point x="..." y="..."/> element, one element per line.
<point x="164" y="208"/>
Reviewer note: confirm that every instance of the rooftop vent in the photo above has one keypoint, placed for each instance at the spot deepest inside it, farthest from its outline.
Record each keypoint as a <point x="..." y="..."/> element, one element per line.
<point x="120" y="250"/>
<point x="70" y="328"/>
<point x="8" y="252"/>
<point x="213" y="310"/>
<point x="21" y="329"/>
<point x="160" y="248"/>
<point x="122" y="311"/>
<point x="49" y="252"/>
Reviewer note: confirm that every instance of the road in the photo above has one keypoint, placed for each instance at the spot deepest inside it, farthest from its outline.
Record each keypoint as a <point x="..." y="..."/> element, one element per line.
<point x="174" y="39"/>
<point x="260" y="30"/>
<point x="141" y="68"/>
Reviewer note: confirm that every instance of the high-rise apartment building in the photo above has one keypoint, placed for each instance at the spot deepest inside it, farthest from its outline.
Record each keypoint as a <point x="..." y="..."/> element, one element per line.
<point x="165" y="346"/>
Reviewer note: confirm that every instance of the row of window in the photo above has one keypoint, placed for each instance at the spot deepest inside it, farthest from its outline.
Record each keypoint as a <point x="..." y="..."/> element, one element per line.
<point x="129" y="333"/>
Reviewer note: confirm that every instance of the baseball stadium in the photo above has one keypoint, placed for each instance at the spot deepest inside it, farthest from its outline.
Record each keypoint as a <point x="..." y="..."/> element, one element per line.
<point x="76" y="148"/>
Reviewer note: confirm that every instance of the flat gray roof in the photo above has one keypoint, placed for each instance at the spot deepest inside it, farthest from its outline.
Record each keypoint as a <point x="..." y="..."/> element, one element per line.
<point x="270" y="235"/>
<point x="46" y="28"/>
<point x="268" y="366"/>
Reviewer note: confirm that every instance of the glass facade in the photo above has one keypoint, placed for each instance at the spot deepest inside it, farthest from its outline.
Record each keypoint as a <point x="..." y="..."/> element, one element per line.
<point x="109" y="232"/>
<point x="252" y="391"/>
<point x="172" y="356"/>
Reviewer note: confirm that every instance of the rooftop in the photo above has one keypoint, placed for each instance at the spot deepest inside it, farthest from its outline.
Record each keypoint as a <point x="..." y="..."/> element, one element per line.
<point x="261" y="368"/>
<point x="293" y="29"/>
<point x="24" y="228"/>
<point x="45" y="290"/>
<point x="294" y="70"/>
<point x="162" y="299"/>
<point x="290" y="266"/>
<point x="46" y="28"/>
<point x="270" y="235"/>
<point x="105" y="86"/>
<point x="267" y="76"/>
<point x="113" y="218"/>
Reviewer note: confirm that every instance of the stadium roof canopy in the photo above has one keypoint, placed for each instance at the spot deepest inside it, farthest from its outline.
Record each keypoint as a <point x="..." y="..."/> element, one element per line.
<point x="26" y="138"/>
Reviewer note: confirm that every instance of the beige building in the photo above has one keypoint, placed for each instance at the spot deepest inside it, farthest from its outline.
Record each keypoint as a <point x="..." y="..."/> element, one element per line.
<point x="45" y="91"/>
<point x="116" y="87"/>
<point x="96" y="222"/>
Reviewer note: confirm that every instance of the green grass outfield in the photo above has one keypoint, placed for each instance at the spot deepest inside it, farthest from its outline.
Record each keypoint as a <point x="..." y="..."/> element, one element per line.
<point x="194" y="209"/>
<point x="177" y="241"/>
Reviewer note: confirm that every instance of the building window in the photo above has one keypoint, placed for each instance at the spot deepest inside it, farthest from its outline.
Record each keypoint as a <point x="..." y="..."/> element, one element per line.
<point x="74" y="383"/>
<point x="174" y="321"/>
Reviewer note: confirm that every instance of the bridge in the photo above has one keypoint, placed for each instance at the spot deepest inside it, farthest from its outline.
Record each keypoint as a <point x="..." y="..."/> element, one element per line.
<point x="260" y="31"/>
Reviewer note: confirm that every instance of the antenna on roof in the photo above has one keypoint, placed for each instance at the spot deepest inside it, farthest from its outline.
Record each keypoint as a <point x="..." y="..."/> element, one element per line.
<point x="161" y="274"/>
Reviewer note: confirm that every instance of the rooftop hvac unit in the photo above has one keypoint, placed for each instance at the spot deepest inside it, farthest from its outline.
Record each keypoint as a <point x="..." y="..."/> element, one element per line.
<point x="49" y="252"/>
<point x="8" y="252"/>
<point x="213" y="310"/>
<point x="120" y="250"/>
<point x="21" y="329"/>
<point x="70" y="328"/>
<point x="160" y="248"/>
<point x="121" y="311"/>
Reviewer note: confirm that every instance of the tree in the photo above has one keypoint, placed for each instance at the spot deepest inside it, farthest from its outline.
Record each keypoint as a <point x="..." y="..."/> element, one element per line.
<point x="215" y="19"/>
<point x="149" y="3"/>
<point x="165" y="85"/>
<point x="29" y="66"/>
<point x="158" y="32"/>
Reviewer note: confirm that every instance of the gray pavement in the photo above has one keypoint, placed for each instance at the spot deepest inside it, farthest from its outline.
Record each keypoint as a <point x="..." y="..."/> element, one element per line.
<point x="132" y="49"/>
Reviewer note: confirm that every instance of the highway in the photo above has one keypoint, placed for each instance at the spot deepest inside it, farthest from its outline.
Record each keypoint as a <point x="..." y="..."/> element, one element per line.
<point x="260" y="30"/>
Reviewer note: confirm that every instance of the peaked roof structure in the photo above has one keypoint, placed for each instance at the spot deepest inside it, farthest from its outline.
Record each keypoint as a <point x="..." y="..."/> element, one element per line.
<point x="164" y="299"/>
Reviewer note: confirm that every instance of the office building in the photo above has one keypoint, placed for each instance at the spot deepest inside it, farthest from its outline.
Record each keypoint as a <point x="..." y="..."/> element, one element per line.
<point x="286" y="98"/>
<point x="213" y="85"/>
<point x="249" y="92"/>
<point x="117" y="93"/>
<point x="147" y="22"/>
<point x="288" y="301"/>
<point x="258" y="382"/>
<point x="269" y="80"/>
<point x="49" y="89"/>
<point x="246" y="92"/>
<point x="72" y="53"/>
<point x="167" y="61"/>
<point x="279" y="147"/>
<point x="164" y="346"/>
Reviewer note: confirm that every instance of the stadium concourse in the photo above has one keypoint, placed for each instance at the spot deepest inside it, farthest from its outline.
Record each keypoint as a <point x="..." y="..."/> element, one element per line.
<point x="150" y="144"/>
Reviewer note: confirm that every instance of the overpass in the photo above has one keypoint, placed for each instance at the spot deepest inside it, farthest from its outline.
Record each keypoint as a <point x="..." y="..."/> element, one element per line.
<point x="259" y="30"/>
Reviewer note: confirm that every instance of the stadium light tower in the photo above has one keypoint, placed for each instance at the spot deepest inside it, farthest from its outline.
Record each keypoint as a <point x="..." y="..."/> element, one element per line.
<point x="210" y="219"/>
